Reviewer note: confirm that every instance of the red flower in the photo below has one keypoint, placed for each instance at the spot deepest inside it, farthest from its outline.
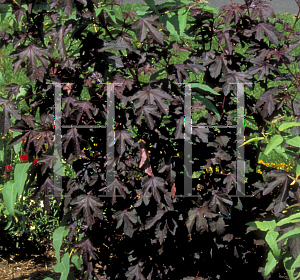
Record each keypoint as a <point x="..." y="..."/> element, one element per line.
<point x="23" y="140"/>
<point x="23" y="157"/>
<point x="8" y="168"/>
<point x="35" y="161"/>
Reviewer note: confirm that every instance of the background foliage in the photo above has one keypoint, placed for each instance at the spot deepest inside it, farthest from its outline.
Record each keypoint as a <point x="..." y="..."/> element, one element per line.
<point x="151" y="231"/>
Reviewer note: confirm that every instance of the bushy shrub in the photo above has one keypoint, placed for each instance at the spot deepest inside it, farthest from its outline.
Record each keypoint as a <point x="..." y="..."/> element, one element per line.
<point x="150" y="231"/>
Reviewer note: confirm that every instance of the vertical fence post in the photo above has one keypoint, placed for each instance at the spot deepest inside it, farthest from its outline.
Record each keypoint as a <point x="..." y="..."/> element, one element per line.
<point x="240" y="170"/>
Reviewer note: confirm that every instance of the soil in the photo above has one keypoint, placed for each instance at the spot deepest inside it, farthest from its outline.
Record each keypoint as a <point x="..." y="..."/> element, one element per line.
<point x="20" y="266"/>
<point x="35" y="267"/>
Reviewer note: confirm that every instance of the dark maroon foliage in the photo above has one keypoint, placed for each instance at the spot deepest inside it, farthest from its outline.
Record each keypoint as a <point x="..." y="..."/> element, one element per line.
<point x="146" y="229"/>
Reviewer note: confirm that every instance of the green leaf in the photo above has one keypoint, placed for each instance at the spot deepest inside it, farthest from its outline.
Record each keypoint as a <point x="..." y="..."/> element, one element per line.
<point x="58" y="169"/>
<point x="209" y="9"/>
<point x="182" y="19"/>
<point x="172" y="24"/>
<point x="2" y="80"/>
<point x="111" y="14"/>
<point x="157" y="74"/>
<point x="296" y="262"/>
<point x="58" y="236"/>
<point x="271" y="263"/>
<point x="274" y="142"/>
<point x="9" y="220"/>
<point x="289" y="219"/>
<point x="252" y="140"/>
<point x="77" y="261"/>
<point x="281" y="151"/>
<point x="207" y="103"/>
<point x="23" y="90"/>
<point x="63" y="267"/>
<point x="288" y="262"/>
<point x="271" y="240"/>
<point x="142" y="10"/>
<point x="286" y="125"/>
<point x="17" y="147"/>
<point x="205" y="88"/>
<point x="152" y="6"/>
<point x="20" y="176"/>
<point x="264" y="226"/>
<point x="9" y="193"/>
<point x="292" y="233"/>
<point x="293" y="141"/>
<point x="298" y="169"/>
<point x="48" y="278"/>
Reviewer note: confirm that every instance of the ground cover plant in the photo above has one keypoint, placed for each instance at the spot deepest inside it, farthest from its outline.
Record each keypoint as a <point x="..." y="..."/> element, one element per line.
<point x="151" y="231"/>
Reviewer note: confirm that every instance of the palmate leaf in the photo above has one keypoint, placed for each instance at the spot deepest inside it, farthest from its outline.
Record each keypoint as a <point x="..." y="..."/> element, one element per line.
<point x="147" y="111"/>
<point x="59" y="34"/>
<point x="279" y="176"/>
<point x="67" y="6"/>
<point x="261" y="10"/>
<point x="269" y="30"/>
<point x="234" y="77"/>
<point x="268" y="99"/>
<point x="86" y="249"/>
<point x="202" y="132"/>
<point x="219" y="64"/>
<point x="199" y="216"/>
<point x="121" y="187"/>
<point x="121" y="137"/>
<point x="73" y="135"/>
<point x="280" y="201"/>
<point x="135" y="271"/>
<point x="230" y="10"/>
<point x="147" y="23"/>
<point x="224" y="36"/>
<point x="218" y="226"/>
<point x="152" y="221"/>
<point x="84" y="106"/>
<point x="9" y="109"/>
<point x="219" y="200"/>
<point x="129" y="218"/>
<point x="47" y="161"/>
<point x="48" y="187"/>
<point x="151" y="95"/>
<point x="87" y="202"/>
<point x="14" y="90"/>
<point x="262" y="68"/>
<point x="179" y="125"/>
<point x="152" y="184"/>
<point x="30" y="52"/>
<point x="27" y="131"/>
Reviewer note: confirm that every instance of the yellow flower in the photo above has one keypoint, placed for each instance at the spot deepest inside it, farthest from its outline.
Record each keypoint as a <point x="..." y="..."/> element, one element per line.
<point x="272" y="163"/>
<point x="260" y="161"/>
